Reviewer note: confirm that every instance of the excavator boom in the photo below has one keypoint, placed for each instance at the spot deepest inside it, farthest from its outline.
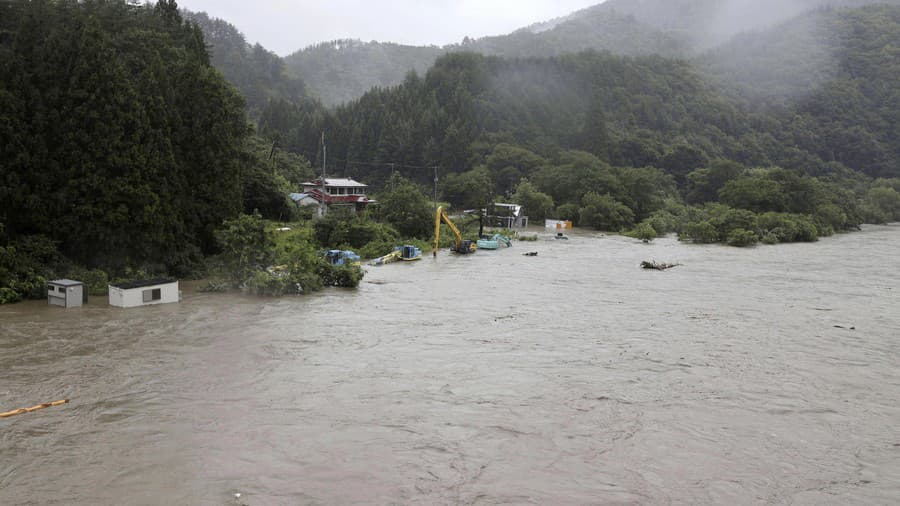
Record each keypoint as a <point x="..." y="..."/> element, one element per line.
<point x="460" y="245"/>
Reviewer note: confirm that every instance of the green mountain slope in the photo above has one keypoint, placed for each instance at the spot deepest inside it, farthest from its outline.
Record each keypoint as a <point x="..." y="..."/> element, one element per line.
<point x="257" y="73"/>
<point x="628" y="111"/>
<point x="342" y="70"/>
<point x="832" y="71"/>
<point x="121" y="143"/>
<point x="709" y="23"/>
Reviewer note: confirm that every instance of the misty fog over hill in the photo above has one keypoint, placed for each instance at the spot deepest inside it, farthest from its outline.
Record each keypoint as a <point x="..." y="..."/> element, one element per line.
<point x="342" y="70"/>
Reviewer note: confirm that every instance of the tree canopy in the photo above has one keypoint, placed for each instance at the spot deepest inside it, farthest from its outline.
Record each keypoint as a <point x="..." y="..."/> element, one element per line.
<point x="121" y="143"/>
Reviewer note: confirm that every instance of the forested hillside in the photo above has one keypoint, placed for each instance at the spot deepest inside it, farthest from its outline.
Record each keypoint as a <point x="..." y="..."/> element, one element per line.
<point x="118" y="131"/>
<point x="620" y="34"/>
<point x="825" y="76"/>
<point x="342" y="70"/>
<point x="257" y="73"/>
<point x="122" y="147"/>
<point x="627" y="111"/>
<point x="709" y="23"/>
<point x="610" y="141"/>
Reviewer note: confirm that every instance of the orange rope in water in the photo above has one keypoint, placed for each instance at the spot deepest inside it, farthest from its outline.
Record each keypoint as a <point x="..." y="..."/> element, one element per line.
<point x="33" y="408"/>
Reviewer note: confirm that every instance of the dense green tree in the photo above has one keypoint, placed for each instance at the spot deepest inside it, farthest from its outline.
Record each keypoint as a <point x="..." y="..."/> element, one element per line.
<point x="754" y="193"/>
<point x="257" y="73"/>
<point x="247" y="246"/>
<point x="703" y="185"/>
<point x="126" y="142"/>
<point x="645" y="190"/>
<point x="603" y="212"/>
<point x="403" y="205"/>
<point x="538" y="205"/>
<point x="682" y="160"/>
<point x="469" y="190"/>
<point x="883" y="204"/>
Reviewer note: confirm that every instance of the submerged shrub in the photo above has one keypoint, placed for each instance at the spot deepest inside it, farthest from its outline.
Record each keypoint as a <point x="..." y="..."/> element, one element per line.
<point x="702" y="232"/>
<point x="663" y="222"/>
<point x="783" y="227"/>
<point x="376" y="249"/>
<point x="272" y="284"/>
<point x="345" y="276"/>
<point x="741" y="237"/>
<point x="8" y="295"/>
<point x="644" y="231"/>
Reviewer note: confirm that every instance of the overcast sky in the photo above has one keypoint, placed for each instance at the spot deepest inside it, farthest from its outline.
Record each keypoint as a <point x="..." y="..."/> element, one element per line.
<point x="284" y="26"/>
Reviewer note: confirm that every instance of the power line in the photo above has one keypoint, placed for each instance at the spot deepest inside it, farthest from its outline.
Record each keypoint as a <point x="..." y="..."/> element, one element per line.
<point x="384" y="164"/>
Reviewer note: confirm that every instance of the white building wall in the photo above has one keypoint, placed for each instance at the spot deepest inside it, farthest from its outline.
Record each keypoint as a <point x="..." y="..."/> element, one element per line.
<point x="134" y="297"/>
<point x="65" y="296"/>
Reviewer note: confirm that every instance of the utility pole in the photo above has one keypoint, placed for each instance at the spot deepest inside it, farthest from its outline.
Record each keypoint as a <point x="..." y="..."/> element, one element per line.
<point x="324" y="158"/>
<point x="435" y="189"/>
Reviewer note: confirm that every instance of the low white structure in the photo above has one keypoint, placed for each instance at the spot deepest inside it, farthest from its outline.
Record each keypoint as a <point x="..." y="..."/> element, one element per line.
<point x="143" y="293"/>
<point x="66" y="293"/>
<point x="558" y="224"/>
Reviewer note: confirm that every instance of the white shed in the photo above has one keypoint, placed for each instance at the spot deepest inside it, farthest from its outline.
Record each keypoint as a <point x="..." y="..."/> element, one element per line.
<point x="66" y="293"/>
<point x="143" y="293"/>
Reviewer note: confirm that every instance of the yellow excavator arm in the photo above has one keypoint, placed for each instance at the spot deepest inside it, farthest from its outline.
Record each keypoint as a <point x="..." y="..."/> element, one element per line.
<point x="460" y="245"/>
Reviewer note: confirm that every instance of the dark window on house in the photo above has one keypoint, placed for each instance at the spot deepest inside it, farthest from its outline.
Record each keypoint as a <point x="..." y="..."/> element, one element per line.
<point x="151" y="295"/>
<point x="50" y="288"/>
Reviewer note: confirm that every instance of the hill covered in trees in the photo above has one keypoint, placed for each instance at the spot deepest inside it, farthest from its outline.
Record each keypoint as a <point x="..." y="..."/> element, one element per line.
<point x="709" y="23"/>
<point x="122" y="147"/>
<point x="631" y="111"/>
<point x="825" y="76"/>
<point x="612" y="141"/>
<point x="117" y="131"/>
<point x="342" y="70"/>
<point x="259" y="74"/>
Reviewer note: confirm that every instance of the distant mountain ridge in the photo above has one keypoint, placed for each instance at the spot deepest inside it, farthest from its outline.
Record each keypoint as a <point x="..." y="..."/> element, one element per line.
<point x="259" y="74"/>
<point x="339" y="71"/>
<point x="709" y="23"/>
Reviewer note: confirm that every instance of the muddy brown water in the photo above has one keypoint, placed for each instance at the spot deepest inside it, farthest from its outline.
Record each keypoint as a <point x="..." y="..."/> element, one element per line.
<point x="743" y="376"/>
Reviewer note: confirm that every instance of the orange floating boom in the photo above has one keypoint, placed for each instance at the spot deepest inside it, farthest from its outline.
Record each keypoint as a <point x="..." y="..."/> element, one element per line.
<point x="33" y="408"/>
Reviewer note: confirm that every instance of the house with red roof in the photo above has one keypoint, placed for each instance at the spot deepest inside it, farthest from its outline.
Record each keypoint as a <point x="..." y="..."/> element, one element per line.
<point x="335" y="193"/>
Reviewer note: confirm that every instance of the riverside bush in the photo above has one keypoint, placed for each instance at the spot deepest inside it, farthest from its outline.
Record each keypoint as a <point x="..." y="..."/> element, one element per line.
<point x="644" y="231"/>
<point x="741" y="238"/>
<point x="345" y="276"/>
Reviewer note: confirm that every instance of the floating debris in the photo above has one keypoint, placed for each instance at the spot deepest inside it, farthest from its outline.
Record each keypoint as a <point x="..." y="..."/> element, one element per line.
<point x="530" y="254"/>
<point x="657" y="266"/>
<point x="33" y="408"/>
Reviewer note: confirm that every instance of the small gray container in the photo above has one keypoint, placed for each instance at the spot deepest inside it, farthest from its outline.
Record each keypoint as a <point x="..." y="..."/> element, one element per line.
<point x="66" y="293"/>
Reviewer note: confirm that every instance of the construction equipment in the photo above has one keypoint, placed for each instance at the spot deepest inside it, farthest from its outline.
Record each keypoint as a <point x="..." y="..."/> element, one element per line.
<point x="493" y="242"/>
<point x="339" y="257"/>
<point x="405" y="253"/>
<point x="460" y="245"/>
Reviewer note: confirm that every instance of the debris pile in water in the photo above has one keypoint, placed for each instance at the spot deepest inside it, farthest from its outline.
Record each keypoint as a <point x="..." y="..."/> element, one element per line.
<point x="656" y="265"/>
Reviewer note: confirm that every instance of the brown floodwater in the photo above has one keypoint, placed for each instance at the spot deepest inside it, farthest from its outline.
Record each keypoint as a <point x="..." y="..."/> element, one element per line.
<point x="743" y="376"/>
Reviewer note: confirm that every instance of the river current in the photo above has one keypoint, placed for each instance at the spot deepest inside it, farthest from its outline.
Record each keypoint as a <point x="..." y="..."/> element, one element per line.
<point x="743" y="376"/>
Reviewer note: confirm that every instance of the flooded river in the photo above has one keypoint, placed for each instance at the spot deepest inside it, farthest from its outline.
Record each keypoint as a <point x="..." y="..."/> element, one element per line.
<point x="743" y="376"/>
